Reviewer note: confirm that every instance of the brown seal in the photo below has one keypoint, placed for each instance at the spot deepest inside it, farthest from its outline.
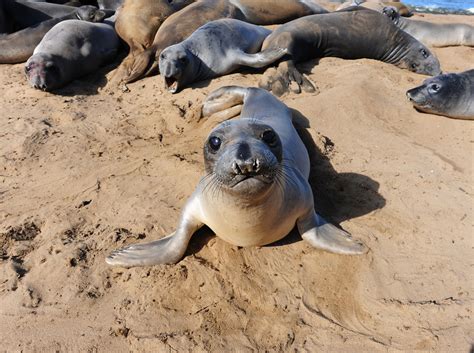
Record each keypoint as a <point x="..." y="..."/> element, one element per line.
<point x="181" y="24"/>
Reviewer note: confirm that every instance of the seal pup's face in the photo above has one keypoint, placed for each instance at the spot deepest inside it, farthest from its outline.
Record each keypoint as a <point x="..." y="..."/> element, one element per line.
<point x="175" y="67"/>
<point x="419" y="59"/>
<point x="90" y="14"/>
<point x="437" y="94"/>
<point x="43" y="72"/>
<point x="242" y="158"/>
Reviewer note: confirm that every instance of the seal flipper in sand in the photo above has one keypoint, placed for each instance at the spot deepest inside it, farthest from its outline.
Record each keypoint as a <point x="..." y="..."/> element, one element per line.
<point x="256" y="165"/>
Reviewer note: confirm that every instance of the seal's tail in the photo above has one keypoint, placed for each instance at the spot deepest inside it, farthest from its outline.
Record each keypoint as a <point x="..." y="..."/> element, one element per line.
<point x="142" y="65"/>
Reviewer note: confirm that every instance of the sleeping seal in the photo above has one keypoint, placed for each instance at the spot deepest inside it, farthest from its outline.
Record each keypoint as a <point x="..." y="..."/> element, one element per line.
<point x="450" y="95"/>
<point x="434" y="34"/>
<point x="71" y="49"/>
<point x="344" y="35"/>
<point x="19" y="46"/>
<point x="215" y="49"/>
<point x="256" y="187"/>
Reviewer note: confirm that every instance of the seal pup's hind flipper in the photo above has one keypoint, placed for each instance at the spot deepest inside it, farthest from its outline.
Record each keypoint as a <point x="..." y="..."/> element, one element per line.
<point x="261" y="59"/>
<point x="323" y="235"/>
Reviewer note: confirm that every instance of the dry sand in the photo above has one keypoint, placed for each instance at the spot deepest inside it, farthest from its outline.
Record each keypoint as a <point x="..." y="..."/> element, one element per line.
<point x="85" y="171"/>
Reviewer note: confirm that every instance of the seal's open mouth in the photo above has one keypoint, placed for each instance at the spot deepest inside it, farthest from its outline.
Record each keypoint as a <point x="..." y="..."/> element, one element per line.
<point x="171" y="84"/>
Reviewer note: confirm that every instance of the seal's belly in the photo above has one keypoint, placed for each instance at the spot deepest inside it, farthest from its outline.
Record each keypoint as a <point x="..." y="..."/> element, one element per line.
<point x="251" y="227"/>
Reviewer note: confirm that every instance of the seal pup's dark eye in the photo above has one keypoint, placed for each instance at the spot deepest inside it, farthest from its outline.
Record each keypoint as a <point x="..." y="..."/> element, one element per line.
<point x="27" y="69"/>
<point x="414" y="66"/>
<point x="183" y="60"/>
<point x="269" y="137"/>
<point x="434" y="87"/>
<point x="162" y="56"/>
<point x="424" y="53"/>
<point x="215" y="143"/>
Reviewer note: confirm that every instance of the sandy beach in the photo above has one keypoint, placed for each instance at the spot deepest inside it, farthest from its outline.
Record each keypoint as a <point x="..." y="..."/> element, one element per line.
<point x="89" y="169"/>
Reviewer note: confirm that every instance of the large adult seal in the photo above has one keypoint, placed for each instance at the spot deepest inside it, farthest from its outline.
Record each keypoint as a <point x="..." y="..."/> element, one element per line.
<point x="71" y="49"/>
<point x="215" y="49"/>
<point x="137" y="23"/>
<point x="344" y="35"/>
<point x="434" y="34"/>
<point x="19" y="46"/>
<point x="181" y="24"/>
<point x="256" y="187"/>
<point x="451" y="95"/>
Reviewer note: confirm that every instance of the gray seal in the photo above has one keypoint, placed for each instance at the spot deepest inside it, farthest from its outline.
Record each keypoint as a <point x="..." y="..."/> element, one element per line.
<point x="451" y="95"/>
<point x="433" y="34"/>
<point x="256" y="185"/>
<point x="354" y="33"/>
<point x="71" y="49"/>
<point x="19" y="46"/>
<point x="215" y="49"/>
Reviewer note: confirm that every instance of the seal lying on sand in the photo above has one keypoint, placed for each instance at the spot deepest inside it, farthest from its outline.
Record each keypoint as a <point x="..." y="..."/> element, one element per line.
<point x="19" y="46"/>
<point x="137" y="23"/>
<point x="215" y="49"/>
<point x="344" y="35"/>
<point x="22" y="14"/>
<point x="181" y="24"/>
<point x="378" y="6"/>
<point x="450" y="95"/>
<point x="256" y="188"/>
<point x="71" y="49"/>
<point x="434" y="34"/>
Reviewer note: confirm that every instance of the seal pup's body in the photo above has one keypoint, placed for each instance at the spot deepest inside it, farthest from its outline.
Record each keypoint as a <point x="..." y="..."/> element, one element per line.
<point x="215" y="49"/>
<point x="434" y="34"/>
<point x="451" y="95"/>
<point x="256" y="188"/>
<point x="344" y="34"/>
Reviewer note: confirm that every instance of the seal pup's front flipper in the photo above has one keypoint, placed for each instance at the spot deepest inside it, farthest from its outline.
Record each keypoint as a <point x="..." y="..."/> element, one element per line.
<point x="168" y="250"/>
<point x="323" y="235"/>
<point x="261" y="59"/>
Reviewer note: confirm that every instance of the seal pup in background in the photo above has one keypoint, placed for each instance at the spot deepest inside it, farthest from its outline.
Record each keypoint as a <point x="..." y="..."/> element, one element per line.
<point x="434" y="34"/>
<point x="256" y="187"/>
<point x="19" y="46"/>
<point x="343" y="34"/>
<point x="451" y="95"/>
<point x="71" y="49"/>
<point x="181" y="24"/>
<point x="217" y="48"/>
<point x="378" y="6"/>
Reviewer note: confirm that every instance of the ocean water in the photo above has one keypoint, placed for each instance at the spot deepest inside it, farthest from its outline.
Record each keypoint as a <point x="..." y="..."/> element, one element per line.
<point x="442" y="6"/>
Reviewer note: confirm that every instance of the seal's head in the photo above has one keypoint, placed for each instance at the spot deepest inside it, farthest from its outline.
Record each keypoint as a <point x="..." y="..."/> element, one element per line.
<point x="437" y="94"/>
<point x="43" y="72"/>
<point x="90" y="14"/>
<point x="176" y="66"/>
<point x="421" y="60"/>
<point x="243" y="158"/>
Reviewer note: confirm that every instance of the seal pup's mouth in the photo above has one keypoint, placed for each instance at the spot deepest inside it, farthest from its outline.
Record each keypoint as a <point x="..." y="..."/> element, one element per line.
<point x="240" y="180"/>
<point x="171" y="84"/>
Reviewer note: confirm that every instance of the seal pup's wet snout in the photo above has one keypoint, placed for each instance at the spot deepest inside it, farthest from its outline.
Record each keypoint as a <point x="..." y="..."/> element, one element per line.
<point x="250" y="161"/>
<point x="173" y="63"/>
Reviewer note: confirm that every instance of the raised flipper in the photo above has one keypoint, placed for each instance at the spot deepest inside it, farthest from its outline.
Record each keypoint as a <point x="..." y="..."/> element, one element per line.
<point x="323" y="235"/>
<point x="167" y="250"/>
<point x="224" y="100"/>
<point x="261" y="59"/>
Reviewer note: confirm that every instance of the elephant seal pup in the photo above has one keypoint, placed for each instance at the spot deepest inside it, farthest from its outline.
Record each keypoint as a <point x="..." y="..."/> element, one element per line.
<point x="215" y="49"/>
<point x="450" y="95"/>
<point x="181" y="24"/>
<point x="23" y="14"/>
<point x="256" y="187"/>
<point x="71" y="49"/>
<point x="344" y="34"/>
<point x="378" y="6"/>
<point x="19" y="46"/>
<point x="137" y="23"/>
<point x="434" y="34"/>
